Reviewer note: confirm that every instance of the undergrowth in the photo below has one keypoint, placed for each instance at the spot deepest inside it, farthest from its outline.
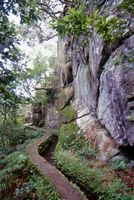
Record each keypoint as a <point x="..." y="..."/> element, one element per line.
<point x="68" y="113"/>
<point x="13" y="137"/>
<point x="73" y="140"/>
<point x="98" y="182"/>
<point x="19" y="178"/>
<point x="76" y="158"/>
<point x="43" y="188"/>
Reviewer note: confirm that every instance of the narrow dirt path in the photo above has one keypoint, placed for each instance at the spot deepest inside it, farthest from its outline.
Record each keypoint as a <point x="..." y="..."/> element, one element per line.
<point x="66" y="190"/>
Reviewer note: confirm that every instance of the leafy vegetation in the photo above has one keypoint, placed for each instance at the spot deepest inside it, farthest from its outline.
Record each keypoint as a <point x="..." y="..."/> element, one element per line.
<point x="13" y="69"/>
<point x="127" y="6"/>
<point x="13" y="166"/>
<point x="13" y="137"/>
<point x="76" y="158"/>
<point x="10" y="67"/>
<point x="67" y="135"/>
<point x="76" y="22"/>
<point x="68" y="113"/>
<point x="73" y="23"/>
<point x="91" y="179"/>
<point x="20" y="179"/>
<point x="72" y="140"/>
<point x="119" y="164"/>
<point x="23" y="180"/>
<point x="45" y="190"/>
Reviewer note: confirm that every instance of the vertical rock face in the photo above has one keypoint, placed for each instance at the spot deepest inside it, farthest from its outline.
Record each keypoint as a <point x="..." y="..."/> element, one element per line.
<point x="103" y="89"/>
<point x="116" y="100"/>
<point x="37" y="113"/>
<point x="86" y="73"/>
<point x="51" y="115"/>
<point x="51" y="119"/>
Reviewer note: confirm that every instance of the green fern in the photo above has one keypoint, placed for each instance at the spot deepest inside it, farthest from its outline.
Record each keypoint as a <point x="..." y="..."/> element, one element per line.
<point x="16" y="158"/>
<point x="14" y="162"/>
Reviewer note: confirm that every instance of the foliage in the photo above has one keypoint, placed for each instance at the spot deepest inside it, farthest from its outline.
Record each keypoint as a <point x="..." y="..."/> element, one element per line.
<point x="14" y="164"/>
<point x="40" y="96"/>
<point x="20" y="179"/>
<point x="72" y="156"/>
<point x="68" y="133"/>
<point x="40" y="67"/>
<point x="119" y="164"/>
<point x="84" y="149"/>
<point x="68" y="112"/>
<point x="91" y="179"/>
<point x="44" y="190"/>
<point x="11" y="135"/>
<point x="16" y="160"/>
<point x="17" y="136"/>
<point x="39" y="76"/>
<point x="25" y="191"/>
<point x="24" y="181"/>
<point x="76" y="22"/>
<point x="27" y="10"/>
<point x="110" y="29"/>
<point x="10" y="68"/>
<point x="127" y="6"/>
<point x="73" y="140"/>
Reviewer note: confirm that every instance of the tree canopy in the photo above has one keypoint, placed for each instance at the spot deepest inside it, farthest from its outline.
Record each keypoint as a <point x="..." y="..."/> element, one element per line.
<point x="28" y="12"/>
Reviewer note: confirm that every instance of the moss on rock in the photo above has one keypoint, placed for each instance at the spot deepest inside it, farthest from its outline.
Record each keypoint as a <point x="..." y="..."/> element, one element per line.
<point x="67" y="114"/>
<point x="65" y="96"/>
<point x="68" y="133"/>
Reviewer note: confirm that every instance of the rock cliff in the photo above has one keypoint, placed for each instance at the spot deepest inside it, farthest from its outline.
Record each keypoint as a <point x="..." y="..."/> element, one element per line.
<point x="98" y="80"/>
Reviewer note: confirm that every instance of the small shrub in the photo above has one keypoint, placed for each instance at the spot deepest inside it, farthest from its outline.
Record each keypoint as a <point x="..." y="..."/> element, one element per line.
<point x="15" y="163"/>
<point x="72" y="140"/>
<point x="86" y="150"/>
<point x="24" y="181"/>
<point x="76" y="22"/>
<point x="119" y="164"/>
<point x="44" y="190"/>
<point x="78" y="171"/>
<point x="25" y="191"/>
<point x="16" y="159"/>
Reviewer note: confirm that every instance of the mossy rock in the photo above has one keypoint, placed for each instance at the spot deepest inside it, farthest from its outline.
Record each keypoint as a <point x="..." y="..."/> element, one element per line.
<point x="65" y="96"/>
<point x="69" y="129"/>
<point x="68" y="133"/>
<point x="67" y="114"/>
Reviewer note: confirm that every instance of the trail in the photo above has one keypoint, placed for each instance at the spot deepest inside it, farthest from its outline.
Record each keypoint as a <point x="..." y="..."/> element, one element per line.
<point x="46" y="166"/>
